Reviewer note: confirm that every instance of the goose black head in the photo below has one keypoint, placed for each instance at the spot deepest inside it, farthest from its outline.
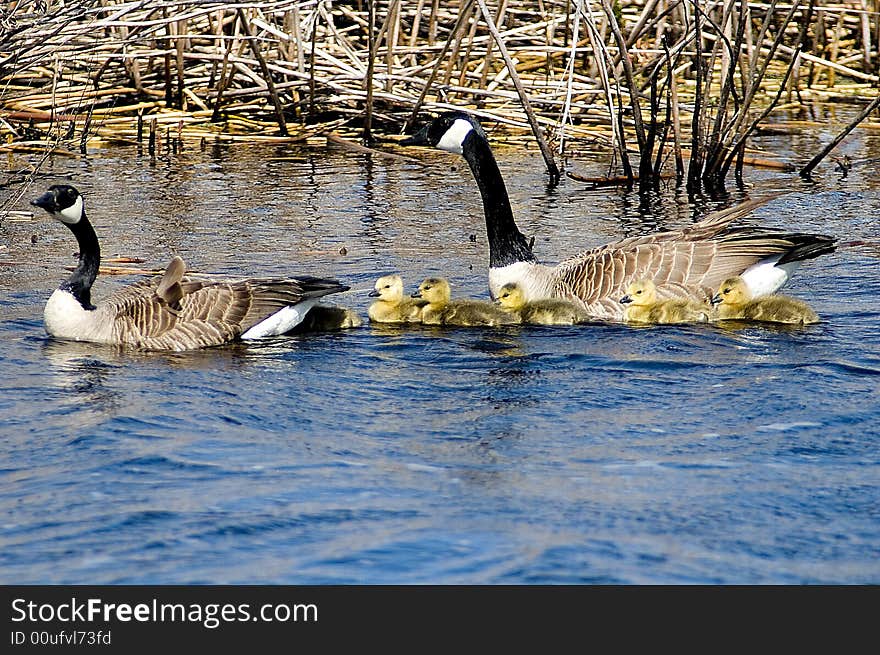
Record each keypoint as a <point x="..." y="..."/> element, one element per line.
<point x="448" y="131"/>
<point x="63" y="203"/>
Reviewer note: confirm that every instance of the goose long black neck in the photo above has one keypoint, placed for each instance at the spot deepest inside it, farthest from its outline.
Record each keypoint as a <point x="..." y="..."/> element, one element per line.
<point x="80" y="282"/>
<point x="507" y="245"/>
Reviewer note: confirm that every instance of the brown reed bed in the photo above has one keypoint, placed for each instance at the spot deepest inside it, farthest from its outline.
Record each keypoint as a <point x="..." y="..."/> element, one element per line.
<point x="678" y="85"/>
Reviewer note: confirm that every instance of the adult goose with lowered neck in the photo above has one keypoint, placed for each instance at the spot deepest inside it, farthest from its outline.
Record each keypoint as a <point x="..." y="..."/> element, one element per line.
<point x="170" y="311"/>
<point x="686" y="263"/>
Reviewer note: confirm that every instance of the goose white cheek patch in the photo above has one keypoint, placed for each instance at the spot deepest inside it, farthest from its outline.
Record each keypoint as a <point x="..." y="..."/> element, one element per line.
<point x="454" y="137"/>
<point x="71" y="215"/>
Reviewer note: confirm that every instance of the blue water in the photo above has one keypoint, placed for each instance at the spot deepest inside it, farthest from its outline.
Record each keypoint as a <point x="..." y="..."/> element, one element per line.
<point x="589" y="454"/>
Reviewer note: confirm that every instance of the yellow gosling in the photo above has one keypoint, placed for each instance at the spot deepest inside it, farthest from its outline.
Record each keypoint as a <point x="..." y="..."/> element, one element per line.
<point x="643" y="306"/>
<point x="549" y="311"/>
<point x="443" y="310"/>
<point x="392" y="306"/>
<point x="734" y="301"/>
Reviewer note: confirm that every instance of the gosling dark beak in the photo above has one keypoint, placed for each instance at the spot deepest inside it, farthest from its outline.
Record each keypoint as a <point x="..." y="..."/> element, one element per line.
<point x="626" y="299"/>
<point x="420" y="138"/>
<point x="47" y="201"/>
<point x="717" y="299"/>
<point x="415" y="294"/>
<point x="373" y="294"/>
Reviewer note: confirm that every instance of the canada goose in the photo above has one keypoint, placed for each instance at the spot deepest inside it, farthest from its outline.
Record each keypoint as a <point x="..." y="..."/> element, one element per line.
<point x="171" y="311"/>
<point x="443" y="310"/>
<point x="392" y="306"/>
<point x="686" y="263"/>
<point x="550" y="311"/>
<point x="733" y="301"/>
<point x="643" y="306"/>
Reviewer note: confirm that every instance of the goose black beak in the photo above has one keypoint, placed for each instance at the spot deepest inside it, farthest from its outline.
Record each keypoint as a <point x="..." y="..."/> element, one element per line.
<point x="420" y="138"/>
<point x="415" y="294"/>
<point x="373" y="294"/>
<point x="626" y="299"/>
<point x="717" y="299"/>
<point x="47" y="201"/>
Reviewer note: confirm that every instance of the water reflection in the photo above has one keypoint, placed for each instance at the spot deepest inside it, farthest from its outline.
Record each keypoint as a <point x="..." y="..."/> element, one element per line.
<point x="497" y="452"/>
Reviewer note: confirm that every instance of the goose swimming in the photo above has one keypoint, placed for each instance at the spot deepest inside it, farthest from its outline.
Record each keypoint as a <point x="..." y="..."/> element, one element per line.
<point x="549" y="311"/>
<point x="171" y="311"/>
<point x="689" y="263"/>
<point x="391" y="306"/>
<point x="441" y="309"/>
<point x="643" y="306"/>
<point x="733" y="301"/>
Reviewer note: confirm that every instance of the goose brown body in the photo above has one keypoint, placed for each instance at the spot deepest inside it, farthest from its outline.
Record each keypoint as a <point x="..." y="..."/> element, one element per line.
<point x="172" y="311"/>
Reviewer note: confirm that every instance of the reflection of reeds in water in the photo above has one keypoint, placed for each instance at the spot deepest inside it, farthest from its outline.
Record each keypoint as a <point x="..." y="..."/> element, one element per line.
<point x="642" y="76"/>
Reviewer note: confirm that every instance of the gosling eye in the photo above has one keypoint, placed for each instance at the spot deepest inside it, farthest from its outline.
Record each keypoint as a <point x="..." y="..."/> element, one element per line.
<point x="638" y="293"/>
<point x="727" y="291"/>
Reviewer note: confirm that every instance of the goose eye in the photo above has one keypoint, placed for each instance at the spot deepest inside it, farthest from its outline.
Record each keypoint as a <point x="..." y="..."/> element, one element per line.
<point x="727" y="291"/>
<point x="638" y="293"/>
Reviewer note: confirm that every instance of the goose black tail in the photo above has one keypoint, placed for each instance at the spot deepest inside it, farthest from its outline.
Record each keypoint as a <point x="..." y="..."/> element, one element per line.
<point x="807" y="246"/>
<point x="315" y="287"/>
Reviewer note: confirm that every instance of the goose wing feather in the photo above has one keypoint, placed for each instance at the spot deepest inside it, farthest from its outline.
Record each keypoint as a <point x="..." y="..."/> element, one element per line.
<point x="686" y="263"/>
<point x="203" y="312"/>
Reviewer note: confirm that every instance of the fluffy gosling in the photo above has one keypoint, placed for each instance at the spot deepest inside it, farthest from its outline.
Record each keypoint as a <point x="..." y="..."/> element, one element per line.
<point x="643" y="306"/>
<point x="441" y="309"/>
<point x="550" y="311"/>
<point x="733" y="301"/>
<point x="392" y="306"/>
<point x="325" y="318"/>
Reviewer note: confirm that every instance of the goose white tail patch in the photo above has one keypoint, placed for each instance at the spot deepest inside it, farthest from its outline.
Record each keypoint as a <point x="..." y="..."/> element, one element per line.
<point x="453" y="139"/>
<point x="281" y="321"/>
<point x="73" y="214"/>
<point x="766" y="277"/>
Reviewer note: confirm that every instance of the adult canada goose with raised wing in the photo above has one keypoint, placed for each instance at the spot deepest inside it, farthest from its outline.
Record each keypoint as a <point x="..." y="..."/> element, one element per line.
<point x="688" y="263"/>
<point x="734" y="302"/>
<point x="643" y="306"/>
<point x="171" y="311"/>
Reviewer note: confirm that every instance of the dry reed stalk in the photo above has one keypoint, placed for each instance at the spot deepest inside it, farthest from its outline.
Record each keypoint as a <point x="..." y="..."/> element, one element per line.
<point x="807" y="170"/>
<point x="316" y="54"/>
<point x="552" y="168"/>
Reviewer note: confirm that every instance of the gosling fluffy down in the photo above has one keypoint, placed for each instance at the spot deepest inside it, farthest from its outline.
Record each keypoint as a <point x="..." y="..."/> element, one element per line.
<point x="392" y="306"/>
<point x="643" y="306"/>
<point x="326" y="318"/>
<point x="549" y="311"/>
<point x="734" y="302"/>
<point x="443" y="310"/>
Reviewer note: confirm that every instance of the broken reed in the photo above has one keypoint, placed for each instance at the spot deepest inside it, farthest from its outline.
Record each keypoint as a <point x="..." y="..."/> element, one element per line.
<point x="652" y="79"/>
